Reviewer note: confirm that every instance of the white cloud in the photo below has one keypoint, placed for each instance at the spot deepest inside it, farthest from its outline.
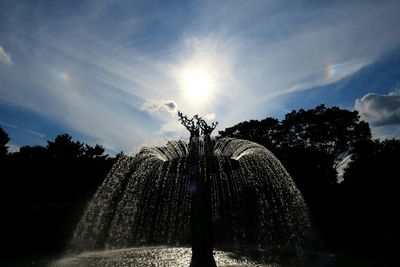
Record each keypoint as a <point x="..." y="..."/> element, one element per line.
<point x="379" y="110"/>
<point x="13" y="148"/>
<point x="382" y="112"/>
<point x="159" y="106"/>
<point x="5" y="57"/>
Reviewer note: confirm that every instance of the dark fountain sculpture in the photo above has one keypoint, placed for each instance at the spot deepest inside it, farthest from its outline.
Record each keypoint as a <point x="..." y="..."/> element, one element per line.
<point x="228" y="192"/>
<point x="200" y="190"/>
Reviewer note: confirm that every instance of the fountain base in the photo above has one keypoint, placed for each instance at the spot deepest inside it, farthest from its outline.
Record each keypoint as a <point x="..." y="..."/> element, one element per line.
<point x="152" y="256"/>
<point x="209" y="262"/>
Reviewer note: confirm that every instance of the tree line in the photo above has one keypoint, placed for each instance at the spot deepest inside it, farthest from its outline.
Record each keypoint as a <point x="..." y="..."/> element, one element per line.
<point x="44" y="190"/>
<point x="358" y="211"/>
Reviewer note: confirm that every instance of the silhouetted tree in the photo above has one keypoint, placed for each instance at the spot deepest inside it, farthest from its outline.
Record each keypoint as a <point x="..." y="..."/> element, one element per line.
<point x="64" y="147"/>
<point x="333" y="131"/>
<point x="44" y="190"/>
<point x="311" y="144"/>
<point x="37" y="152"/>
<point x="371" y="195"/>
<point x="3" y="142"/>
<point x="265" y="132"/>
<point x="93" y="152"/>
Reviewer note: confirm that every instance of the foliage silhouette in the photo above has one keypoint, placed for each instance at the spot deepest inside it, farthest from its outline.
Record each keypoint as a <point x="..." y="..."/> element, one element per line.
<point x="311" y="144"/>
<point x="63" y="147"/>
<point x="44" y="190"/>
<point x="370" y="194"/>
<point x="357" y="214"/>
<point x="3" y="142"/>
<point x="332" y="131"/>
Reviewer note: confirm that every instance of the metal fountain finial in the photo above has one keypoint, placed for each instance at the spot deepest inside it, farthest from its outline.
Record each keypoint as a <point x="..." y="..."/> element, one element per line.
<point x="190" y="124"/>
<point x="196" y="123"/>
<point x="205" y="128"/>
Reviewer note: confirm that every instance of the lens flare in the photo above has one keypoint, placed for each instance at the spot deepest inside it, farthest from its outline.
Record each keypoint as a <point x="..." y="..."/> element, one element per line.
<point x="329" y="72"/>
<point x="65" y="76"/>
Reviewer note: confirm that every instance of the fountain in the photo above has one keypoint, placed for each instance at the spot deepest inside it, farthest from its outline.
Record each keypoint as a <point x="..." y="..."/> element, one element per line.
<point x="225" y="192"/>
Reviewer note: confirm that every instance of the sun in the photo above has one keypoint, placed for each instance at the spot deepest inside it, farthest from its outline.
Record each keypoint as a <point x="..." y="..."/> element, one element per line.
<point x="197" y="84"/>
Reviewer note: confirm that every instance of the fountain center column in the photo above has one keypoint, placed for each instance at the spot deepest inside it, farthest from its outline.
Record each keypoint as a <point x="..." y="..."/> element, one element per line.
<point x="200" y="191"/>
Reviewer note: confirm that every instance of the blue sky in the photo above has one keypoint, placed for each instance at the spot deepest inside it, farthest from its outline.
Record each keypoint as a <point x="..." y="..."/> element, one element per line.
<point x="116" y="72"/>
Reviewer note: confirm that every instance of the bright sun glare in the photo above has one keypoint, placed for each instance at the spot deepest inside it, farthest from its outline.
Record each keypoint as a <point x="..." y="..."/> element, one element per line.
<point x="197" y="84"/>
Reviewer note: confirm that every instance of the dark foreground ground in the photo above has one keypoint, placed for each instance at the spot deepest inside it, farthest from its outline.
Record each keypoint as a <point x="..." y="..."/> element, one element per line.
<point x="180" y="257"/>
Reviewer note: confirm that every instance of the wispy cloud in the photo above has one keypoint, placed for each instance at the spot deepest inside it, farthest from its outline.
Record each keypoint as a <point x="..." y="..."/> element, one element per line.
<point x="5" y="57"/>
<point x="104" y="67"/>
<point x="28" y="131"/>
<point x="91" y="85"/>
<point x="272" y="49"/>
